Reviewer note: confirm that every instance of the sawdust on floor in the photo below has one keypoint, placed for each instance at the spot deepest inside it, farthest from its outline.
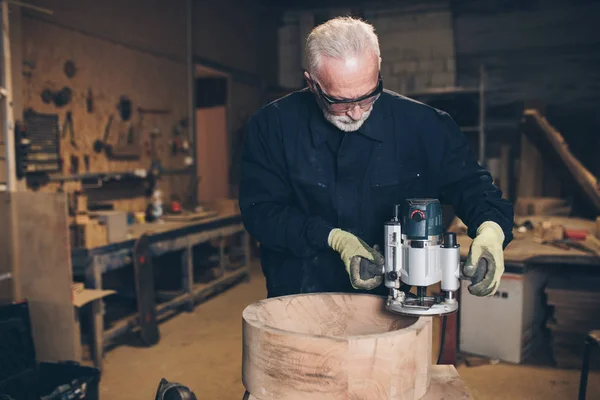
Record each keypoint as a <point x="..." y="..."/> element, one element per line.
<point x="203" y="350"/>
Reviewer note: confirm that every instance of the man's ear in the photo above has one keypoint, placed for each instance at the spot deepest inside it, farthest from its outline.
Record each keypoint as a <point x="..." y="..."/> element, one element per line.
<point x="308" y="80"/>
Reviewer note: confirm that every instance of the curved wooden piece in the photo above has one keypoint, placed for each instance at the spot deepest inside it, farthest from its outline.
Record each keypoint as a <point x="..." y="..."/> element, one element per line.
<point x="334" y="346"/>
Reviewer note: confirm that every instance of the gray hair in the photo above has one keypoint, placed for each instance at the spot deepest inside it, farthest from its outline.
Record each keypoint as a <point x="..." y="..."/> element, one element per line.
<point x="339" y="38"/>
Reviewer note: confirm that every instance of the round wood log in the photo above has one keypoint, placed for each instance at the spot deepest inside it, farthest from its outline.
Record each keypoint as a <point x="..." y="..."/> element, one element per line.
<point x="334" y="346"/>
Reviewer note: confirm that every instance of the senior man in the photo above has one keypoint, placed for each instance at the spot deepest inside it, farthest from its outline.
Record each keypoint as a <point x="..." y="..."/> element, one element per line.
<point x="323" y="167"/>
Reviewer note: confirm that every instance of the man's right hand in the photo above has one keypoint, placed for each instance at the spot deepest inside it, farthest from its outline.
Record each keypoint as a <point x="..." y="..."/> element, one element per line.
<point x="363" y="264"/>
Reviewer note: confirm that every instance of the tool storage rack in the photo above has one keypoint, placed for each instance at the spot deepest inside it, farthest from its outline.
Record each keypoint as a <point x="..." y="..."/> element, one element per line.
<point x="92" y="264"/>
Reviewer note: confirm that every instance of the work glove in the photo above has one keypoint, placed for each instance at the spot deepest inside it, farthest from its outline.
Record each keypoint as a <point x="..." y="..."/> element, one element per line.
<point x="485" y="262"/>
<point x="363" y="263"/>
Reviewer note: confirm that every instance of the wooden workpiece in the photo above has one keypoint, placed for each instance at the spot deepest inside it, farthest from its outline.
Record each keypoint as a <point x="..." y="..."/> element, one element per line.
<point x="337" y="346"/>
<point x="446" y="384"/>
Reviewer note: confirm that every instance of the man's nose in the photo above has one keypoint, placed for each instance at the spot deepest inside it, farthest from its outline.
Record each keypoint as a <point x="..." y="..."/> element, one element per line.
<point x="355" y="113"/>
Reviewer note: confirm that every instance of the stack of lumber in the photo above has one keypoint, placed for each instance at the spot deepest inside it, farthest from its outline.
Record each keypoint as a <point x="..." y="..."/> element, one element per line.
<point x="525" y="206"/>
<point x="575" y="311"/>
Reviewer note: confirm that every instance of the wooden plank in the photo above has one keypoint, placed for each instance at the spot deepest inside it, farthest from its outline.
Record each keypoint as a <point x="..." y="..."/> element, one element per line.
<point x="6" y="261"/>
<point x="45" y="273"/>
<point x="212" y="154"/>
<point x="446" y="384"/>
<point x="532" y="205"/>
<point x="190" y="216"/>
<point x="531" y="170"/>
<point x="554" y="146"/>
<point x="226" y="208"/>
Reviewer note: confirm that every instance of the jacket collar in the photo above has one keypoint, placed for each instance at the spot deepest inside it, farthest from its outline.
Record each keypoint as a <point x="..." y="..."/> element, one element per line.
<point x="373" y="128"/>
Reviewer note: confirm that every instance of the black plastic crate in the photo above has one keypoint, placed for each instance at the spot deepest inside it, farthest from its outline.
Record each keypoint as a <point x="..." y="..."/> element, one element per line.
<point x="21" y="377"/>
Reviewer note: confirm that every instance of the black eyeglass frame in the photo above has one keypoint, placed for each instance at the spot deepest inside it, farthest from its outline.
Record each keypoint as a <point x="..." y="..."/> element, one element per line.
<point x="330" y="101"/>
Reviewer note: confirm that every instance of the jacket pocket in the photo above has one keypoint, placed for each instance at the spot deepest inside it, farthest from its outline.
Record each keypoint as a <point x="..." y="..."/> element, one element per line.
<point x="389" y="189"/>
<point x="383" y="179"/>
<point x="313" y="195"/>
<point x="304" y="180"/>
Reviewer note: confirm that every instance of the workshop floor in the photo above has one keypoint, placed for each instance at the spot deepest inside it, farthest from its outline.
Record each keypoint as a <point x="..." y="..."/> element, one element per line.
<point x="202" y="350"/>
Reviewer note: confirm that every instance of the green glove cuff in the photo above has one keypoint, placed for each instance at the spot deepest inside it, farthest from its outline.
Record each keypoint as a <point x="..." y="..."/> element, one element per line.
<point x="491" y="226"/>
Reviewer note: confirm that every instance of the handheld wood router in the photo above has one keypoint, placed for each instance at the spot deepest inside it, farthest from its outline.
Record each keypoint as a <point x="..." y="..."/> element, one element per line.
<point x="416" y="255"/>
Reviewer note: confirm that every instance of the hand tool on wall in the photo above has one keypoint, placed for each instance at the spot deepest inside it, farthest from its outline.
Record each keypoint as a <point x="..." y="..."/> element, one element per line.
<point x="74" y="165"/>
<point x="43" y="133"/>
<point x="101" y="144"/>
<point x="89" y="101"/>
<point x="68" y="124"/>
<point x="124" y="108"/>
<point x="180" y="143"/>
<point x="60" y="97"/>
<point x="63" y="97"/>
<point x="143" y="110"/>
<point x="69" y="68"/>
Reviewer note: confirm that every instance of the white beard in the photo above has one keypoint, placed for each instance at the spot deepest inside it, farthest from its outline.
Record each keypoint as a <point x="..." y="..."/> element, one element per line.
<point x="345" y="123"/>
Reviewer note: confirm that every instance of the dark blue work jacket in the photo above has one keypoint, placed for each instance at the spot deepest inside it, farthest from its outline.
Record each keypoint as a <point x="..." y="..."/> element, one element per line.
<point x="301" y="177"/>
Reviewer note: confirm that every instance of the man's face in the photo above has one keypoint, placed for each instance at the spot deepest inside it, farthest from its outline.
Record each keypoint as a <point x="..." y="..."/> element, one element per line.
<point x="354" y="78"/>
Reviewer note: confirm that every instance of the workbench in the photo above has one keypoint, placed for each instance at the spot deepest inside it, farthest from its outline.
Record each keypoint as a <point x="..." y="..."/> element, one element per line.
<point x="523" y="295"/>
<point x="164" y="237"/>
<point x="524" y="251"/>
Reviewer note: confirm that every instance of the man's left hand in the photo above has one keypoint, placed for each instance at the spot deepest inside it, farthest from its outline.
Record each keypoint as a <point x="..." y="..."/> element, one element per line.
<point x="485" y="262"/>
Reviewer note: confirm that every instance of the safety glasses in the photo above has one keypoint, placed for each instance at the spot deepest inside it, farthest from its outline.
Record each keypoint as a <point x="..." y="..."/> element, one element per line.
<point x="344" y="105"/>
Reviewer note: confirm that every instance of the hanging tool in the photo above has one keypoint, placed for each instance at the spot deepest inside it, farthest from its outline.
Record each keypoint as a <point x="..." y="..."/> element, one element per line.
<point x="99" y="144"/>
<point x="69" y="125"/>
<point x="69" y="69"/>
<point x="143" y="110"/>
<point x="124" y="108"/>
<point x="63" y="97"/>
<point x="89" y="101"/>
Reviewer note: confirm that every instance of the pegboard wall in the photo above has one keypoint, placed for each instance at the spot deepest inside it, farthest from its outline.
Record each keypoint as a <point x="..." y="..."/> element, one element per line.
<point x="103" y="73"/>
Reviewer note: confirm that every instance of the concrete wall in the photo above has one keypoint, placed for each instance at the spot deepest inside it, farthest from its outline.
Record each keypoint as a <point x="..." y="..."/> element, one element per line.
<point x="416" y="41"/>
<point x="417" y="45"/>
<point x="137" y="48"/>
<point x="545" y="51"/>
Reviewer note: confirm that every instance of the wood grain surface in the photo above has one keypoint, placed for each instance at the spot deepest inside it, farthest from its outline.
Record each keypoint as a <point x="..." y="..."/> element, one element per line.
<point x="446" y="384"/>
<point x="43" y="273"/>
<point x="334" y="346"/>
